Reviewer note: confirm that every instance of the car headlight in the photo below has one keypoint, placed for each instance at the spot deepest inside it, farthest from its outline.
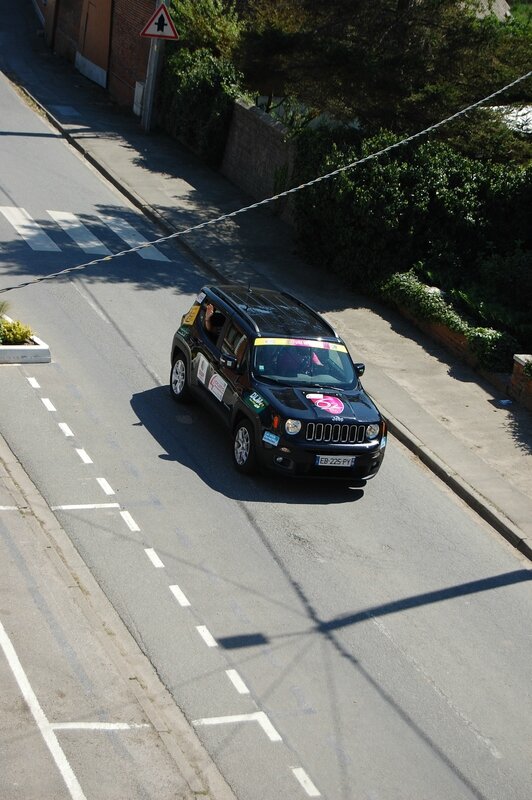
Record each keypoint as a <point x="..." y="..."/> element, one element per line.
<point x="292" y="426"/>
<point x="372" y="431"/>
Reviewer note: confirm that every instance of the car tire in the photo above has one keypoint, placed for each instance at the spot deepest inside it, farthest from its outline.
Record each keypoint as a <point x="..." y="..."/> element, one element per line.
<point x="179" y="388"/>
<point x="244" y="448"/>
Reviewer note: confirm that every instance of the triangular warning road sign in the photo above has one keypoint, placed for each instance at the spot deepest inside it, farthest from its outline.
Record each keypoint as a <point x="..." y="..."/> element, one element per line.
<point x="160" y="25"/>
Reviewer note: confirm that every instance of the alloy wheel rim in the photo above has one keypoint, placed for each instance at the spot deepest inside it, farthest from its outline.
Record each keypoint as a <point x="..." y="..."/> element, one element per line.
<point x="242" y="446"/>
<point x="178" y="377"/>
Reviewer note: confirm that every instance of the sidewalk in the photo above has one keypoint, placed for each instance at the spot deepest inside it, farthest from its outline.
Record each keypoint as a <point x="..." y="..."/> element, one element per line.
<point x="439" y="408"/>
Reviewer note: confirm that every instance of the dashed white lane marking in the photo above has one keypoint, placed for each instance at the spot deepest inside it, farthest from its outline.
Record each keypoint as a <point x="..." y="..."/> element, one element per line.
<point x="79" y="233"/>
<point x="8" y="508"/>
<point x="154" y="558"/>
<point x="305" y="782"/>
<point x="97" y="726"/>
<point x="81" y="506"/>
<point x="42" y="723"/>
<point x="30" y="230"/>
<point x="34" y="383"/>
<point x="206" y="635"/>
<point x="179" y="595"/>
<point x="105" y="486"/>
<point x="83" y="455"/>
<point x="66" y="430"/>
<point x="49" y="406"/>
<point x="257" y="716"/>
<point x="237" y="681"/>
<point x="130" y="522"/>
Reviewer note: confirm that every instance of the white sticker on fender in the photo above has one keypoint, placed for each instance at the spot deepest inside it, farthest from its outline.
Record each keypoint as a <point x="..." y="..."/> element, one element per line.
<point x="217" y="386"/>
<point x="202" y="368"/>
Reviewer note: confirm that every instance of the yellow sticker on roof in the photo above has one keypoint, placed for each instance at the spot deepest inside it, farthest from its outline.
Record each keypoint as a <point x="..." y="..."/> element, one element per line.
<point x="319" y="345"/>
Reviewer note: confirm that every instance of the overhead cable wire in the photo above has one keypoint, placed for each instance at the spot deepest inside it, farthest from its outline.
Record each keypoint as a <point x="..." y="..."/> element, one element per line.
<point x="273" y="198"/>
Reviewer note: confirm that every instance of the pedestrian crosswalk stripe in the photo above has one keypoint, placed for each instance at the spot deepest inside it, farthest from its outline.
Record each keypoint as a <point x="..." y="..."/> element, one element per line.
<point x="79" y="233"/>
<point x="132" y="237"/>
<point x="35" y="236"/>
<point x="30" y="230"/>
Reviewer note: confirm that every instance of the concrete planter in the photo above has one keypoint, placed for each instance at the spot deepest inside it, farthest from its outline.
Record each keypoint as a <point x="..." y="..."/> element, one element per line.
<point x="34" y="351"/>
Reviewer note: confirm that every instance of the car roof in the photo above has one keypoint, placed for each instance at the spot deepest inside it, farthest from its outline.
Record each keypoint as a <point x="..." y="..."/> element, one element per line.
<point x="270" y="312"/>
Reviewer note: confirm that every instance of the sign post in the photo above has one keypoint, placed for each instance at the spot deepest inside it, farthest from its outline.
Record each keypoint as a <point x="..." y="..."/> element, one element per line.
<point x="159" y="27"/>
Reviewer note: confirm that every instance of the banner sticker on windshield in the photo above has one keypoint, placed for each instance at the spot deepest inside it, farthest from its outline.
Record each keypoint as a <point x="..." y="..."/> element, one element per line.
<point x="327" y="403"/>
<point x="217" y="386"/>
<point x="319" y="345"/>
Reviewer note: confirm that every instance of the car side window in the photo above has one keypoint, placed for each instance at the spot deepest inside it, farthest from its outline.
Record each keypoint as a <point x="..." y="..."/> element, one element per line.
<point x="235" y="343"/>
<point x="212" y="321"/>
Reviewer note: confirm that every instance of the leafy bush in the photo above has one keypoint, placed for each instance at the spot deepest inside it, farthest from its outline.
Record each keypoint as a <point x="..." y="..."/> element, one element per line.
<point x="207" y="24"/>
<point x="14" y="332"/>
<point x="404" y="289"/>
<point x="195" y="102"/>
<point x="494" y="349"/>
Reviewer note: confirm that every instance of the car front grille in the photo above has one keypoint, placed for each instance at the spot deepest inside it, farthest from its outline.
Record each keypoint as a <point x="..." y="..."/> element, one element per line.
<point x="335" y="433"/>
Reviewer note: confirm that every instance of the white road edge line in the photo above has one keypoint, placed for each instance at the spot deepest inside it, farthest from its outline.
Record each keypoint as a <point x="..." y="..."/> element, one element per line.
<point x="49" y="406"/>
<point x="66" y="430"/>
<point x="83" y="455"/>
<point x="44" y="726"/>
<point x="130" y="522"/>
<point x="237" y="681"/>
<point x="179" y="595"/>
<point x="305" y="782"/>
<point x="34" y="383"/>
<point x="105" y="486"/>
<point x="154" y="558"/>
<point x="206" y="635"/>
<point x="257" y="716"/>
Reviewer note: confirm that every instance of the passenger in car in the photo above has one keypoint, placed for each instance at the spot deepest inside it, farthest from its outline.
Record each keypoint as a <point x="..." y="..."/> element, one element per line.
<point x="213" y="322"/>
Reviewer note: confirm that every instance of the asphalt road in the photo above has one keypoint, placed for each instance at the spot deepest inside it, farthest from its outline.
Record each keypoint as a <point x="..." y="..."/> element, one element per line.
<point x="346" y="643"/>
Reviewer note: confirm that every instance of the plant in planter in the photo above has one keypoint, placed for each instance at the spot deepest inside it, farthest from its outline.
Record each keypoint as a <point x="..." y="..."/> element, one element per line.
<point x="12" y="332"/>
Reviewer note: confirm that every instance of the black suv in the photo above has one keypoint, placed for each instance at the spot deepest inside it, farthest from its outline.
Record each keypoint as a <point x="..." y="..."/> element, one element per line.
<point x="283" y="382"/>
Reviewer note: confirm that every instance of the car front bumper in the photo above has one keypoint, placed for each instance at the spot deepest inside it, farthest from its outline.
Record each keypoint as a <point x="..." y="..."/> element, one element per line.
<point x="292" y="458"/>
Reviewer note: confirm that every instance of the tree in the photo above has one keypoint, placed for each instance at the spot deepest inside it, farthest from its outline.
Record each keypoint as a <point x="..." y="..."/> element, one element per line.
<point x="397" y="64"/>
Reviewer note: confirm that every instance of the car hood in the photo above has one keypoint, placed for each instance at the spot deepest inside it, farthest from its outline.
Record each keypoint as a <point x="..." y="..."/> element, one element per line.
<point x="322" y="404"/>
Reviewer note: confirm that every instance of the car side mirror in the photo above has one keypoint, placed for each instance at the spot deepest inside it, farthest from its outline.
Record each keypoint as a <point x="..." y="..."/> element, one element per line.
<point x="360" y="369"/>
<point x="229" y="361"/>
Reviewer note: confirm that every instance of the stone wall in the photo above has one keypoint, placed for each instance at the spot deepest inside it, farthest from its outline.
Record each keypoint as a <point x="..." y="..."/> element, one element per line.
<point x="257" y="158"/>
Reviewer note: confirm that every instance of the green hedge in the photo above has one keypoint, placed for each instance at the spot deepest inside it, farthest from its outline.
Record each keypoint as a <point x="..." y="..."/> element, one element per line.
<point x="195" y="101"/>
<point x="494" y="349"/>
<point x="461" y="224"/>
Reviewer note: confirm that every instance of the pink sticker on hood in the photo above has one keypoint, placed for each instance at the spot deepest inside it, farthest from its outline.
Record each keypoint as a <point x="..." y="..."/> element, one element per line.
<point x="327" y="403"/>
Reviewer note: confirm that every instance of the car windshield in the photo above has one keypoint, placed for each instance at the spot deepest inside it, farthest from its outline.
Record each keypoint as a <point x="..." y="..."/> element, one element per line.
<point x="308" y="362"/>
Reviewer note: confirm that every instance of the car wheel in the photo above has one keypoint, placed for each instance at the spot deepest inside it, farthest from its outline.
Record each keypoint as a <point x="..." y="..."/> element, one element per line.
<point x="179" y="379"/>
<point x="244" y="452"/>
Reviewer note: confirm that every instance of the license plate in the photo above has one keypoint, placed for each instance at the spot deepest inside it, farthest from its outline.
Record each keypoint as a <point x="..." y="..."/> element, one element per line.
<point x="335" y="461"/>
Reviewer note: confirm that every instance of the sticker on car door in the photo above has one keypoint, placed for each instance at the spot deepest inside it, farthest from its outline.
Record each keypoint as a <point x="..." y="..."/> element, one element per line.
<point x="202" y="368"/>
<point x="217" y="386"/>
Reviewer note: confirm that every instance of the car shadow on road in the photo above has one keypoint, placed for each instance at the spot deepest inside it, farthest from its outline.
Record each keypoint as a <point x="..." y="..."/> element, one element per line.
<point x="191" y="436"/>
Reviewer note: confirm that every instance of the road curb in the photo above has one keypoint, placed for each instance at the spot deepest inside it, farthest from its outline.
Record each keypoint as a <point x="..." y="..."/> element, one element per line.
<point x="459" y="486"/>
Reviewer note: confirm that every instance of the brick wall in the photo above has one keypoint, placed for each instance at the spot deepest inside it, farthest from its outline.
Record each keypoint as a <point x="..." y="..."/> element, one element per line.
<point x="257" y="158"/>
<point x="129" y="51"/>
<point x="67" y="28"/>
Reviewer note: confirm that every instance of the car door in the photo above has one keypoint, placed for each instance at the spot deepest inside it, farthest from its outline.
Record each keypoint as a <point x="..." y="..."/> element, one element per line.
<point x="205" y="368"/>
<point x="234" y="365"/>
